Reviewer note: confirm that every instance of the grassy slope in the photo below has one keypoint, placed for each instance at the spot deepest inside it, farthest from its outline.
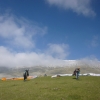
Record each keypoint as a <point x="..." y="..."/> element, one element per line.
<point x="47" y="88"/>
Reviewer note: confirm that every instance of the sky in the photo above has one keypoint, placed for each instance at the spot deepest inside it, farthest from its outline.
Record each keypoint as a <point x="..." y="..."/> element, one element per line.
<point x="47" y="32"/>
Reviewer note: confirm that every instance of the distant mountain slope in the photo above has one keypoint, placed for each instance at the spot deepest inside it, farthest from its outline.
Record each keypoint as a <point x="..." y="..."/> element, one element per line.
<point x="40" y="70"/>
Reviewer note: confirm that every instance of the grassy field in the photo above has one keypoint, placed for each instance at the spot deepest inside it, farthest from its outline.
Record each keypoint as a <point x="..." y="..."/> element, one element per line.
<point x="47" y="88"/>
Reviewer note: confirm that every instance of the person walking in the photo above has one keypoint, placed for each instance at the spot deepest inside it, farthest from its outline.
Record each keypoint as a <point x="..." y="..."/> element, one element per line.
<point x="26" y="74"/>
<point x="77" y="73"/>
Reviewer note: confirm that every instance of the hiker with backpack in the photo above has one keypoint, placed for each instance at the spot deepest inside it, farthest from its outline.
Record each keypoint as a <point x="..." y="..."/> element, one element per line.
<point x="26" y="74"/>
<point x="76" y="72"/>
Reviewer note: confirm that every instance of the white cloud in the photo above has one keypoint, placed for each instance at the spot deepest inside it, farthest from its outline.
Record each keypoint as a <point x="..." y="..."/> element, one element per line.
<point x="19" y="32"/>
<point x="60" y="51"/>
<point x="90" y="61"/>
<point x="14" y="59"/>
<point x="78" y="6"/>
<point x="50" y="57"/>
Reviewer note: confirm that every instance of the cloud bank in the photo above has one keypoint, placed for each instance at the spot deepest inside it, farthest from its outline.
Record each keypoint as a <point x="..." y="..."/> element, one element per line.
<point x="78" y="6"/>
<point x="27" y="59"/>
<point x="31" y="59"/>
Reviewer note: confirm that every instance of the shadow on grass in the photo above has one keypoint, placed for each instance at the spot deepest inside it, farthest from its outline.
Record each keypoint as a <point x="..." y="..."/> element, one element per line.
<point x="26" y="80"/>
<point x="74" y="78"/>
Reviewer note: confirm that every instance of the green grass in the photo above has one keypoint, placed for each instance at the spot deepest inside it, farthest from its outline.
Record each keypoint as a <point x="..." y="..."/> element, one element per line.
<point x="47" y="88"/>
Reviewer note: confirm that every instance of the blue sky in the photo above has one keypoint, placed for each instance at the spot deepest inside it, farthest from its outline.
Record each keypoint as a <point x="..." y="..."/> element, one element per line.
<point x="36" y="32"/>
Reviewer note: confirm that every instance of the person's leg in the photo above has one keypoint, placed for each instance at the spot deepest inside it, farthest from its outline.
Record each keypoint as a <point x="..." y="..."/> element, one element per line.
<point x="24" y="77"/>
<point x="76" y="75"/>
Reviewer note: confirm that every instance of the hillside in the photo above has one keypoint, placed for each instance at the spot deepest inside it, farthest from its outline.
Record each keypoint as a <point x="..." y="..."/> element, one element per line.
<point x="47" y="88"/>
<point x="40" y="70"/>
